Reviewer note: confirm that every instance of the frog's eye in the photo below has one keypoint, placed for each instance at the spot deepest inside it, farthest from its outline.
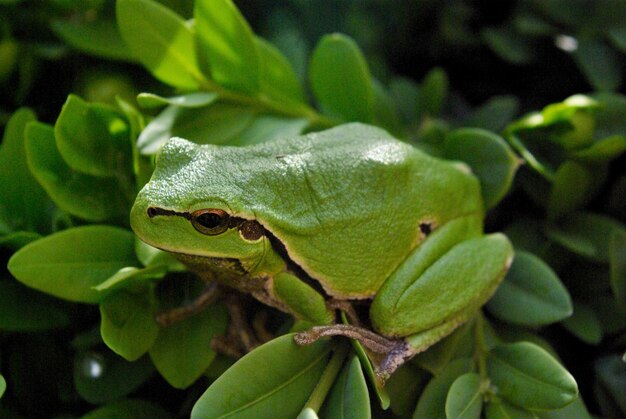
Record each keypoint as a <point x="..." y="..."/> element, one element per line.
<point x="210" y="221"/>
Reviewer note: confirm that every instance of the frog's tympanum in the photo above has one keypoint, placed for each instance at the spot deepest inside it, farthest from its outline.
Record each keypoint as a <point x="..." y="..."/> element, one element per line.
<point x="314" y="223"/>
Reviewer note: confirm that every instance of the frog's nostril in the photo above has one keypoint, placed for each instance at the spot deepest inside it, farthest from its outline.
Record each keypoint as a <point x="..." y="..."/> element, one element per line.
<point x="152" y="212"/>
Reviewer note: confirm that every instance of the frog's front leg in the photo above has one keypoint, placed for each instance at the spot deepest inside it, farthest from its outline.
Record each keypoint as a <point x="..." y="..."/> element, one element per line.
<point x="440" y="285"/>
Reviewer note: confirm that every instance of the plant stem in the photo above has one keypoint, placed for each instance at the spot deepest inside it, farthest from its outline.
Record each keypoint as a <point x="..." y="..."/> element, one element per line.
<point x="328" y="378"/>
<point x="480" y="345"/>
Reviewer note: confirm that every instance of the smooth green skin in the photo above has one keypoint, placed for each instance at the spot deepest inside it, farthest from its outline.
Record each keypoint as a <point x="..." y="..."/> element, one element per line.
<point x="347" y="204"/>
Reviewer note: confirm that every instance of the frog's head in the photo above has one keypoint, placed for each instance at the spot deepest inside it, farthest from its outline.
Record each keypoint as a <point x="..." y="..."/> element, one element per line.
<point x="189" y="207"/>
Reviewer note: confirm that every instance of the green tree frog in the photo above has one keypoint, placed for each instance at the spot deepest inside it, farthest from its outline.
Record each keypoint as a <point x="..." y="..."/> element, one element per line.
<point x="315" y="222"/>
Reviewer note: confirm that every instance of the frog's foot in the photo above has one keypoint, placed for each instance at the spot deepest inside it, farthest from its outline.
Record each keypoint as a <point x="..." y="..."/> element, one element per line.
<point x="206" y="298"/>
<point x="395" y="351"/>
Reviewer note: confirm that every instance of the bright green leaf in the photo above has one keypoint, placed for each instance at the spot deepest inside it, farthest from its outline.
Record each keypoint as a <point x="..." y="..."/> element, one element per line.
<point x="131" y="277"/>
<point x="219" y="123"/>
<point x="161" y="41"/>
<point x="100" y="38"/>
<point x="23" y="203"/>
<point x="349" y="397"/>
<point x="105" y="377"/>
<point x="602" y="151"/>
<point x="464" y="399"/>
<point x="127" y="324"/>
<point x="530" y="377"/>
<point x="128" y="409"/>
<point x="584" y="324"/>
<point x="277" y="77"/>
<point x="190" y="100"/>
<point x="23" y="310"/>
<point x="274" y="380"/>
<point x="88" y="197"/>
<point x="531" y="294"/>
<point x="617" y="261"/>
<point x="225" y="45"/>
<point x="586" y="234"/>
<point x="182" y="351"/>
<point x="432" y="402"/>
<point x="340" y="79"/>
<point x="3" y="385"/>
<point x="458" y="344"/>
<point x="489" y="157"/>
<point x="68" y="264"/>
<point x="93" y="138"/>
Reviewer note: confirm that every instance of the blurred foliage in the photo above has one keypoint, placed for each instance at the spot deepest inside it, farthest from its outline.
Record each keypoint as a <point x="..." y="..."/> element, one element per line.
<point x="528" y="93"/>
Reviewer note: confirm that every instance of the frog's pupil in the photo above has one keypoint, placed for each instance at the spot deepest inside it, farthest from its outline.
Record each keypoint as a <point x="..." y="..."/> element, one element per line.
<point x="209" y="220"/>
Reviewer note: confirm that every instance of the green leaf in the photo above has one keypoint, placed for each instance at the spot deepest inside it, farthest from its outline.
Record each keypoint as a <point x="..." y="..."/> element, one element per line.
<point x="465" y="400"/>
<point x="385" y="111"/>
<point x="225" y="45"/>
<point x="574" y="410"/>
<point x="584" y="324"/>
<point x="586" y="234"/>
<point x="432" y="402"/>
<point x="161" y="41"/>
<point x="489" y="157"/>
<point x="131" y="277"/>
<point x="93" y="138"/>
<point x="494" y="114"/>
<point x="531" y="294"/>
<point x="219" y="123"/>
<point x="88" y="197"/>
<point x="277" y="77"/>
<point x="104" y="377"/>
<point x="190" y="100"/>
<point x="599" y="63"/>
<point x="269" y="127"/>
<point x="340" y="79"/>
<point x="127" y="324"/>
<point x="181" y="352"/>
<point x="68" y="264"/>
<point x="349" y="397"/>
<point x="404" y="386"/>
<point x="571" y="189"/>
<point x="307" y="413"/>
<point x="3" y="385"/>
<point x="617" y="261"/>
<point x="274" y="380"/>
<point x="153" y="258"/>
<point x="23" y="203"/>
<point x="458" y="344"/>
<point x="18" y="239"/>
<point x="508" y="45"/>
<point x="602" y="151"/>
<point x="611" y="376"/>
<point x="433" y="92"/>
<point x="405" y="93"/>
<point x="502" y="410"/>
<point x="128" y="409"/>
<point x="530" y="377"/>
<point x="23" y="310"/>
<point x="100" y="38"/>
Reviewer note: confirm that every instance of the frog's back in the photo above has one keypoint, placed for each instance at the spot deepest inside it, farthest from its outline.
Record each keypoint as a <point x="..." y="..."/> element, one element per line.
<point x="348" y="202"/>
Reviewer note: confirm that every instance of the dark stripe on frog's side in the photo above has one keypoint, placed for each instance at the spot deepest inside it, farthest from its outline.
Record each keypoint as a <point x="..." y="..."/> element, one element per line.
<point x="251" y="230"/>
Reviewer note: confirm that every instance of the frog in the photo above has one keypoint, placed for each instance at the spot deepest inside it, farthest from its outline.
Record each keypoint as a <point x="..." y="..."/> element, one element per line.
<point x="317" y="223"/>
